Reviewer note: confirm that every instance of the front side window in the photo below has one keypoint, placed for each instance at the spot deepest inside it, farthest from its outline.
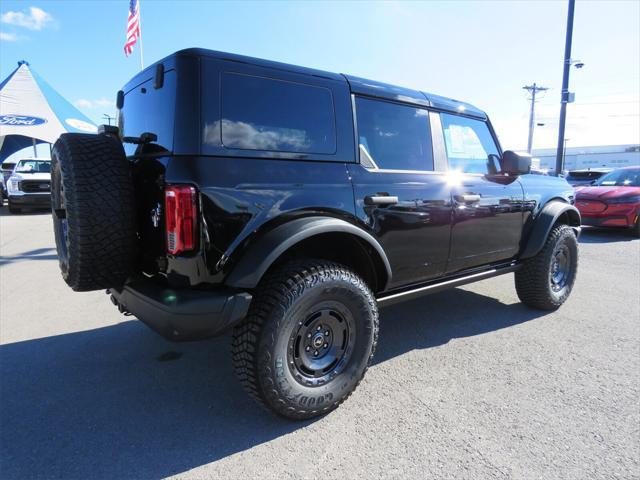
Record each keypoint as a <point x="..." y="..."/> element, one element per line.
<point x="393" y="136"/>
<point x="469" y="144"/>
<point x="261" y="113"/>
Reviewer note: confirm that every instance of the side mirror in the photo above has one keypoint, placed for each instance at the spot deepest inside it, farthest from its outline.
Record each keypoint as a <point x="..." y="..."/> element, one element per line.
<point x="515" y="163"/>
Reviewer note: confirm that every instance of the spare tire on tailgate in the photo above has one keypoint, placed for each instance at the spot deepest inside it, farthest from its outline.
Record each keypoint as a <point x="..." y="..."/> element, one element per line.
<point x="93" y="211"/>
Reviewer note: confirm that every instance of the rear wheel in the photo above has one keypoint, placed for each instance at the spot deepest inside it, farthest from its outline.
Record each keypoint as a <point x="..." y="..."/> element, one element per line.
<point x="93" y="211"/>
<point x="308" y="339"/>
<point x="546" y="280"/>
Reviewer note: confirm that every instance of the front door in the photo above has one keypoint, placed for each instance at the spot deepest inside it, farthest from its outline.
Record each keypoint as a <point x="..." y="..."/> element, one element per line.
<point x="487" y="205"/>
<point x="403" y="201"/>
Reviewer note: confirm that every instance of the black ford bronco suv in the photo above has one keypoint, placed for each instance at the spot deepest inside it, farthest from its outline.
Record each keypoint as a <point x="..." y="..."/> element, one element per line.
<point x="287" y="204"/>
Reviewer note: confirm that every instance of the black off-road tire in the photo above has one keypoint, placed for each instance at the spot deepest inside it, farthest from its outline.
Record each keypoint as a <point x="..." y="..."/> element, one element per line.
<point x="286" y="302"/>
<point x="535" y="281"/>
<point x="93" y="211"/>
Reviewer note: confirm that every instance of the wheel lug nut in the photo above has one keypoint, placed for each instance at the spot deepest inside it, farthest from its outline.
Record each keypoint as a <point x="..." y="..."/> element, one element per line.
<point x="319" y="327"/>
<point x="326" y="333"/>
<point x="308" y="335"/>
<point x="326" y="345"/>
<point x="308" y="348"/>
<point x="315" y="353"/>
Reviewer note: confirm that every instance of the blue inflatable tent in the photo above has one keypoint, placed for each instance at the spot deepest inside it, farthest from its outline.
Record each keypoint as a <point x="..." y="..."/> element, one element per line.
<point x="32" y="112"/>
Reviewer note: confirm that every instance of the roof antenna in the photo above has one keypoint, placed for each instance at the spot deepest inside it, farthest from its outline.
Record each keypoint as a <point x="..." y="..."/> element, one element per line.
<point x="23" y="62"/>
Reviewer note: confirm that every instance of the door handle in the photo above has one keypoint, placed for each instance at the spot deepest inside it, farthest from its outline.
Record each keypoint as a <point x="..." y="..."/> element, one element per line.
<point x="380" y="200"/>
<point x="467" y="198"/>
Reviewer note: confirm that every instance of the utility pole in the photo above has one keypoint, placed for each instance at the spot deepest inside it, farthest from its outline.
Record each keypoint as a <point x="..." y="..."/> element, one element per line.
<point x="564" y="99"/>
<point x="533" y="89"/>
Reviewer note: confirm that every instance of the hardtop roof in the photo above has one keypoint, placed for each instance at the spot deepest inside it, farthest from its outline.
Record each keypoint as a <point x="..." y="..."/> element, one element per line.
<point x="357" y="85"/>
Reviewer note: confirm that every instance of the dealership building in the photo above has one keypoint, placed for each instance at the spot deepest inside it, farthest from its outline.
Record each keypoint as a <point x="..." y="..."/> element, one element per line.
<point x="612" y="156"/>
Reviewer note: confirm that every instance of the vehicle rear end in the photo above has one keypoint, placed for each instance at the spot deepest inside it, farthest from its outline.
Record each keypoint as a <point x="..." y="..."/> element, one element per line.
<point x="134" y="226"/>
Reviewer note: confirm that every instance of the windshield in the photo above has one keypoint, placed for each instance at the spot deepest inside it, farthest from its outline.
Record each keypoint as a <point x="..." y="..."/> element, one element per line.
<point x="34" y="166"/>
<point x="586" y="175"/>
<point x="626" y="177"/>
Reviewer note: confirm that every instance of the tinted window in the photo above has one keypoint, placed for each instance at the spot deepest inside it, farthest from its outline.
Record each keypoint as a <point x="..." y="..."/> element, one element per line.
<point x="147" y="109"/>
<point x="469" y="143"/>
<point x="264" y="114"/>
<point x="392" y="136"/>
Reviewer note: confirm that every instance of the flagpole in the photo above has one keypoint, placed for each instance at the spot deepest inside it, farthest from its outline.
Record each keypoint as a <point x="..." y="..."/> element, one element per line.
<point x="140" y="36"/>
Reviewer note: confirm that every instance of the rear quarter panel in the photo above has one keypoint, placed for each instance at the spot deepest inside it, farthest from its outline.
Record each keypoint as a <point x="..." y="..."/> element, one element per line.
<point x="241" y="197"/>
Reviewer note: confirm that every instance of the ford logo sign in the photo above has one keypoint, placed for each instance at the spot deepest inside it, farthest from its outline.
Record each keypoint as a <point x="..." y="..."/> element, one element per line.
<point x="21" y="120"/>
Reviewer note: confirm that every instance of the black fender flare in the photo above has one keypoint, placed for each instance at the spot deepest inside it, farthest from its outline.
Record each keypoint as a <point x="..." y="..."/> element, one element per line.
<point x="260" y="256"/>
<point x="545" y="221"/>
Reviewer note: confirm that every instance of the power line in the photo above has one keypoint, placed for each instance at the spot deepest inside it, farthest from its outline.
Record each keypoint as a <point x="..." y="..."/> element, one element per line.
<point x="533" y="89"/>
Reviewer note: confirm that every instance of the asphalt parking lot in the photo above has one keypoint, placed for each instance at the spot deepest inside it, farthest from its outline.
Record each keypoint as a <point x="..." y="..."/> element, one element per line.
<point x="466" y="384"/>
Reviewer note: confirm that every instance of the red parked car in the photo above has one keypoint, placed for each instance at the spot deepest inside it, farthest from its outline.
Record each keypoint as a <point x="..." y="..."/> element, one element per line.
<point x="612" y="201"/>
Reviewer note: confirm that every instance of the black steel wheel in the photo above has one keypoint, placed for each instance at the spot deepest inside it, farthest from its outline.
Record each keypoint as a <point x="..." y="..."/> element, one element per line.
<point x="560" y="273"/>
<point x="322" y="345"/>
<point x="308" y="338"/>
<point x="546" y="280"/>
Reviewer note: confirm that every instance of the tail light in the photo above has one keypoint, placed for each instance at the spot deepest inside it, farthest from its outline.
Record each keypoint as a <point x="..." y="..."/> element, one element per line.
<point x="181" y="218"/>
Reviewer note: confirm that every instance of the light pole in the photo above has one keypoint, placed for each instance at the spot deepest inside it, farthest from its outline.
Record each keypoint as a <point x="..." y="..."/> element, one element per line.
<point x="564" y="98"/>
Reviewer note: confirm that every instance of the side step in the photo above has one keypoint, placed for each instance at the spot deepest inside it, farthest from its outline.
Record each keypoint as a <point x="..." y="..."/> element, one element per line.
<point x="390" y="299"/>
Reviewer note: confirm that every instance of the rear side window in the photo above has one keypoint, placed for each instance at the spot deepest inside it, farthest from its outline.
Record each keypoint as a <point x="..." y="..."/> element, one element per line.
<point x="261" y="113"/>
<point x="469" y="144"/>
<point x="393" y="136"/>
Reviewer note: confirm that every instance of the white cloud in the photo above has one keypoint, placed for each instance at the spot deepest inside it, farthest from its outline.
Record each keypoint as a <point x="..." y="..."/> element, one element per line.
<point x="8" y="37"/>
<point x="94" y="104"/>
<point x="35" y="19"/>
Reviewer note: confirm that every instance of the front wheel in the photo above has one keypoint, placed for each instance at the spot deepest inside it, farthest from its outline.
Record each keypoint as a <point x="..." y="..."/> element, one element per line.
<point x="546" y="280"/>
<point x="308" y="339"/>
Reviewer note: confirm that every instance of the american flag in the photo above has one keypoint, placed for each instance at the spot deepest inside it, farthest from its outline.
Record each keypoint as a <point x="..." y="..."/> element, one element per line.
<point x="133" y="27"/>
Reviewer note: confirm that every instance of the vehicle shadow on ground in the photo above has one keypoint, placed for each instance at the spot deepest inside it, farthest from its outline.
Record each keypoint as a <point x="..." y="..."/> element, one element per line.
<point x="4" y="212"/>
<point x="434" y="320"/>
<point x="36" y="254"/>
<point x="121" y="402"/>
<point x="605" y="235"/>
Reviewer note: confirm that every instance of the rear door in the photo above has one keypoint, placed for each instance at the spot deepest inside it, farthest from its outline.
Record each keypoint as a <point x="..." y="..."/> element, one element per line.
<point x="400" y="196"/>
<point x="487" y="206"/>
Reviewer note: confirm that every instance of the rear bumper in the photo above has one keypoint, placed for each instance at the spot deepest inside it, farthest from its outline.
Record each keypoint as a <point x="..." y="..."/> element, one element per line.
<point x="182" y="315"/>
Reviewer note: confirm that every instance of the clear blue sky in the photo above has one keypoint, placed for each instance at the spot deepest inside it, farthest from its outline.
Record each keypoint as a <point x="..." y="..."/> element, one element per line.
<point x="478" y="51"/>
